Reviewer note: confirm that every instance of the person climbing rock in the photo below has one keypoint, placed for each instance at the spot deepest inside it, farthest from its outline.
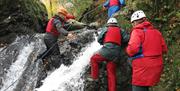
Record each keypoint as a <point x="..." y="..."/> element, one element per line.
<point x="113" y="6"/>
<point x="59" y="24"/>
<point x="111" y="39"/>
<point x="145" y="48"/>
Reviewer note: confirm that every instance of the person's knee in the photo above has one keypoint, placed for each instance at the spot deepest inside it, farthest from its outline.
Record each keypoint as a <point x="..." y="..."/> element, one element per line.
<point x="94" y="57"/>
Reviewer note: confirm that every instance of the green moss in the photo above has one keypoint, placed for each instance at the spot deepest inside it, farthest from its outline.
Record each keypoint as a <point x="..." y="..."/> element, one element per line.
<point x="178" y="15"/>
<point x="81" y="6"/>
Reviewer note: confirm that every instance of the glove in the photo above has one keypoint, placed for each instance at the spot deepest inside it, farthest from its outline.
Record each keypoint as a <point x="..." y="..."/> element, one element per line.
<point x="71" y="36"/>
<point x="71" y="21"/>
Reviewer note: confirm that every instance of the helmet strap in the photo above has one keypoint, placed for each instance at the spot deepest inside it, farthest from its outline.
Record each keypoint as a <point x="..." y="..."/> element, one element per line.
<point x="112" y="24"/>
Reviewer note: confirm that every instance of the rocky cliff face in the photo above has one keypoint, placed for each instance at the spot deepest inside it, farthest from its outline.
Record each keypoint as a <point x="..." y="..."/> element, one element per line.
<point x="20" y="17"/>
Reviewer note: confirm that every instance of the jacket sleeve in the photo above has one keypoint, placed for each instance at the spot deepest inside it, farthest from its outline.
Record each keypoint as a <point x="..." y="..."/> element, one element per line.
<point x="58" y="24"/>
<point x="134" y="43"/>
<point x="164" y="46"/>
<point x="106" y="4"/>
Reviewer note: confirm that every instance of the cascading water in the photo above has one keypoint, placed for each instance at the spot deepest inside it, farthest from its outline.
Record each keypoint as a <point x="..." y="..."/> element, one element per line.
<point x="20" y="72"/>
<point x="70" y="78"/>
<point x="19" y="53"/>
<point x="17" y="68"/>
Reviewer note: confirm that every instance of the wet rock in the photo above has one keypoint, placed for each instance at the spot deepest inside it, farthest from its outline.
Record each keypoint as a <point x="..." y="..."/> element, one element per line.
<point x="32" y="72"/>
<point x="70" y="48"/>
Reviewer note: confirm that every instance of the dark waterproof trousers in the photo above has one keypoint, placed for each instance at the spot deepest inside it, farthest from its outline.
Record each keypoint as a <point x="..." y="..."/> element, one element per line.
<point x="111" y="70"/>
<point x="140" y="88"/>
<point x="51" y="44"/>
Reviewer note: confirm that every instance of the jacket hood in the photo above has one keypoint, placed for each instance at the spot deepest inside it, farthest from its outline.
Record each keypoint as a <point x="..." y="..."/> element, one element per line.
<point x="143" y="25"/>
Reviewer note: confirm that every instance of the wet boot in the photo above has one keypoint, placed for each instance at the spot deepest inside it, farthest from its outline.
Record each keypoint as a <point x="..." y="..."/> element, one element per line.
<point x="90" y="79"/>
<point x="94" y="83"/>
<point x="47" y="64"/>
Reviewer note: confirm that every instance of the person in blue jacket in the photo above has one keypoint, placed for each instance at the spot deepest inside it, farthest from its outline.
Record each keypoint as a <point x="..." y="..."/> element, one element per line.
<point x="113" y="6"/>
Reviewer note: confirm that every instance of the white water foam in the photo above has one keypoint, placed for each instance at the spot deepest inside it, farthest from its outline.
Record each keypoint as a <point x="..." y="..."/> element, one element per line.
<point x="69" y="78"/>
<point x="17" y="68"/>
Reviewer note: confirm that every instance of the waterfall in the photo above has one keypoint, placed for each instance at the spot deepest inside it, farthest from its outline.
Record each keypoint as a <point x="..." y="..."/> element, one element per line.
<point x="17" y="68"/>
<point x="70" y="78"/>
<point x="16" y="59"/>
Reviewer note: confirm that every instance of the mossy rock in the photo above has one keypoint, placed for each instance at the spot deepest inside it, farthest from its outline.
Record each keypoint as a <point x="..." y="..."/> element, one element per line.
<point x="21" y="17"/>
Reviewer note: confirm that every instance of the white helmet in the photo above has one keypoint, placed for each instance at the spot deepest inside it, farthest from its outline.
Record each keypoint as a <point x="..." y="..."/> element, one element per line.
<point x="112" y="21"/>
<point x="137" y="15"/>
<point x="69" y="5"/>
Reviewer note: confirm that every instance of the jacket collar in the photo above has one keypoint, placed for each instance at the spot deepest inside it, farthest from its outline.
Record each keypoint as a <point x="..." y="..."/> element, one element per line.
<point x="143" y="25"/>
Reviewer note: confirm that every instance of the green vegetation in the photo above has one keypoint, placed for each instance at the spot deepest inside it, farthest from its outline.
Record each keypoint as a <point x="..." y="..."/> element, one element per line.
<point x="51" y="6"/>
<point x="34" y="8"/>
<point x="79" y="6"/>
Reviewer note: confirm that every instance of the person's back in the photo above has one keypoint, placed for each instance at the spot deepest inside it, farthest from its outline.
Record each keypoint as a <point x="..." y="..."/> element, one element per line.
<point x="151" y="39"/>
<point x="152" y="47"/>
<point x="145" y="48"/>
<point x="114" y="3"/>
<point x="110" y="38"/>
<point x="111" y="42"/>
<point x="152" y="42"/>
<point x="113" y="35"/>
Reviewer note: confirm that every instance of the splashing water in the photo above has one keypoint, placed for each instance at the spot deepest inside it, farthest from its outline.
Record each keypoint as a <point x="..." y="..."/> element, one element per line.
<point x="15" y="59"/>
<point x="69" y="78"/>
<point x="17" y="68"/>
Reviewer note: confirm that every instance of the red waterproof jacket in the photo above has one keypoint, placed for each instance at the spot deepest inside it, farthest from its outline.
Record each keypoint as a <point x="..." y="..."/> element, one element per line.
<point x="51" y="28"/>
<point x="110" y="3"/>
<point x="113" y="35"/>
<point x="146" y="70"/>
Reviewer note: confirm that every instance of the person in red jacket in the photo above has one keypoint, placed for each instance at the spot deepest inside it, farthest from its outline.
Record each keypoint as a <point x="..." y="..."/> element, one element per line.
<point x="145" y="48"/>
<point x="110" y="52"/>
<point x="59" y="24"/>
